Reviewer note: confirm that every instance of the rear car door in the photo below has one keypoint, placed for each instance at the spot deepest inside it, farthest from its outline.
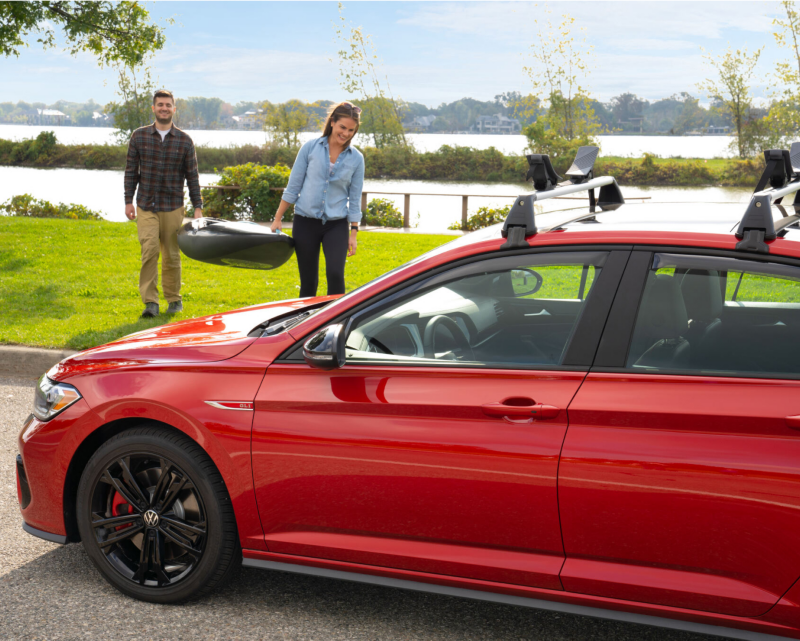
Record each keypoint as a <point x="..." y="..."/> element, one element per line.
<point x="679" y="481"/>
<point x="435" y="448"/>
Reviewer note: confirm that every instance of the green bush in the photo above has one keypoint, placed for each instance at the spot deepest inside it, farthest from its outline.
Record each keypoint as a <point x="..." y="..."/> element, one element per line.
<point x="27" y="205"/>
<point x="254" y="200"/>
<point x="484" y="217"/>
<point x="382" y="213"/>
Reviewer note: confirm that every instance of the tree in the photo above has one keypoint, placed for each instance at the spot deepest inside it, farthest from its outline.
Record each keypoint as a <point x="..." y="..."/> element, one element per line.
<point x="690" y="118"/>
<point x="114" y="32"/>
<point x="359" y="76"/>
<point x="83" y="118"/>
<point x="627" y="106"/>
<point x="524" y="108"/>
<point x="197" y="112"/>
<point x="784" y="114"/>
<point x="557" y="62"/>
<point x="284" y="122"/>
<point x="734" y="69"/>
<point x="135" y="89"/>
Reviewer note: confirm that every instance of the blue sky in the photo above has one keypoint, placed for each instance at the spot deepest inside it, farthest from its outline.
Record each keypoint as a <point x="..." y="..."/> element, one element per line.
<point x="433" y="52"/>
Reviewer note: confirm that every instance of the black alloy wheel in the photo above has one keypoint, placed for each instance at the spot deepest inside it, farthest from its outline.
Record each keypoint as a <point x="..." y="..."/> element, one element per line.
<point x="155" y="517"/>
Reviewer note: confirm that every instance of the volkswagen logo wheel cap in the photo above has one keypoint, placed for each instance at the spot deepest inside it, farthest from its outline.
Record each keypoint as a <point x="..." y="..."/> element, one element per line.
<point x="150" y="518"/>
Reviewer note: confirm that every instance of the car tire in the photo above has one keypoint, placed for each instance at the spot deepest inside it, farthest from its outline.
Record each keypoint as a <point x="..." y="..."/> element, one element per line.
<point x="181" y="541"/>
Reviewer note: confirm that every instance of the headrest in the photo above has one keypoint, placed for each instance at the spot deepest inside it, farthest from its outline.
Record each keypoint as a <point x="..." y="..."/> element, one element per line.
<point x="702" y="294"/>
<point x="664" y="313"/>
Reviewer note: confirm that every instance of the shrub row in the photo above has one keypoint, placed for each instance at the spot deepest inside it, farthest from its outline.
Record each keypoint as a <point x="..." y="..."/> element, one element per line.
<point x="45" y="151"/>
<point x="30" y="207"/>
<point x="484" y="217"/>
<point x="447" y="163"/>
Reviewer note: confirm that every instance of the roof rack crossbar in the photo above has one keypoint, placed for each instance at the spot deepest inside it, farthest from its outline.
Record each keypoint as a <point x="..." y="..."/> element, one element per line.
<point x="521" y="220"/>
<point x="783" y="223"/>
<point x="757" y="226"/>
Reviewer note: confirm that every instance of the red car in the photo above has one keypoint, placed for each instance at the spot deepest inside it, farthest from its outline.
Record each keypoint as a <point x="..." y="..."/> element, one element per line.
<point x="597" y="415"/>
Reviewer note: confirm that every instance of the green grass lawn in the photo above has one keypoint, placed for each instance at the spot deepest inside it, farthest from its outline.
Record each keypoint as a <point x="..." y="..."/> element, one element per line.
<point x="74" y="284"/>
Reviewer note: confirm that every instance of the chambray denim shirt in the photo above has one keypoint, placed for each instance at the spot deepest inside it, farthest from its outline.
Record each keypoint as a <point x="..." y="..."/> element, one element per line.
<point x="317" y="191"/>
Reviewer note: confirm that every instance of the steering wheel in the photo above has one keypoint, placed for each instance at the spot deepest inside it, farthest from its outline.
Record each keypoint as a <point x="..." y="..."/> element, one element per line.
<point x="461" y="339"/>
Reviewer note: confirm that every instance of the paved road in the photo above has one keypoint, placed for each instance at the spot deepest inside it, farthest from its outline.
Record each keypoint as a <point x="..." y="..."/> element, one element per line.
<point x="53" y="592"/>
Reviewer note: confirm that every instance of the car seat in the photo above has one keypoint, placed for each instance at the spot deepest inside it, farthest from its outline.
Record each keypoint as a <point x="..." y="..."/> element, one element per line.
<point x="661" y="325"/>
<point x="702" y="296"/>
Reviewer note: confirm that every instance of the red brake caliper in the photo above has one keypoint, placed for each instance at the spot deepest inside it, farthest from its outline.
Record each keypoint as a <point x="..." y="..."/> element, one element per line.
<point x="120" y="506"/>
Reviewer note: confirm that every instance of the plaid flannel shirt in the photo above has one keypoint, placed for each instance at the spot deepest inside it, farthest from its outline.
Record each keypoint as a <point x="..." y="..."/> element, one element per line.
<point x="159" y="169"/>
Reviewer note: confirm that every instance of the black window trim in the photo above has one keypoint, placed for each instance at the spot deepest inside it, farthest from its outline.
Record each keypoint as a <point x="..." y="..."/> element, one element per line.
<point x="616" y="340"/>
<point x="579" y="359"/>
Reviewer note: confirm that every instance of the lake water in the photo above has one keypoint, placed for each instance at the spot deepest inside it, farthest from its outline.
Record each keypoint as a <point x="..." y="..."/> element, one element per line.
<point x="664" y="146"/>
<point x="103" y="191"/>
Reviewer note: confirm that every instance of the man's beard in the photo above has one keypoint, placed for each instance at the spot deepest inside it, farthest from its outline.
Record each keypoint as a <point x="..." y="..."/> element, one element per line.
<point x="164" y="121"/>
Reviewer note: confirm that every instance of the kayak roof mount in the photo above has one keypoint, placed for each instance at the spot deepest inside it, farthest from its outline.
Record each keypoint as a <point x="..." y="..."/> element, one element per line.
<point x="521" y="220"/>
<point x="782" y="174"/>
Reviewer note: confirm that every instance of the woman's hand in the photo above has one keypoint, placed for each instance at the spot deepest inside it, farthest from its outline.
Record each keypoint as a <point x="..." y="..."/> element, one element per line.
<point x="276" y="225"/>
<point x="352" y="245"/>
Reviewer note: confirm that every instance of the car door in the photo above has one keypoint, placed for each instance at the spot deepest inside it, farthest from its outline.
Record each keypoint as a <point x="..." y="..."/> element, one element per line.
<point x="679" y="481"/>
<point x="435" y="448"/>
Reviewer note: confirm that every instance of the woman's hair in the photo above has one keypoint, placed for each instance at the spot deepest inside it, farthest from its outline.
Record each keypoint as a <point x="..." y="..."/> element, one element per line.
<point x="337" y="112"/>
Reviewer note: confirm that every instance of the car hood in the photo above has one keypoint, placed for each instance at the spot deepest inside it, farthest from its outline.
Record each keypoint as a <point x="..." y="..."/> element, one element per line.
<point x="197" y="340"/>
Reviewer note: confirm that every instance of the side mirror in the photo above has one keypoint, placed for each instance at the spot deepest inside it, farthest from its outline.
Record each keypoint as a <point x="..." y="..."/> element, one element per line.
<point x="525" y="281"/>
<point x="325" y="349"/>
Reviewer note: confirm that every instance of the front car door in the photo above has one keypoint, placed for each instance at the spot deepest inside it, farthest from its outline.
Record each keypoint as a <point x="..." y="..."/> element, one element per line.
<point x="435" y="448"/>
<point x="679" y="482"/>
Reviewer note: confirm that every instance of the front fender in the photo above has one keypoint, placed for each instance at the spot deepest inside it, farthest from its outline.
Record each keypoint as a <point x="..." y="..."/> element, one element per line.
<point x="176" y="397"/>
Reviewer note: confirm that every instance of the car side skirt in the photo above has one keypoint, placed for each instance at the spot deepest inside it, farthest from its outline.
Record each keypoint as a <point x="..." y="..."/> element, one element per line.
<point x="448" y="586"/>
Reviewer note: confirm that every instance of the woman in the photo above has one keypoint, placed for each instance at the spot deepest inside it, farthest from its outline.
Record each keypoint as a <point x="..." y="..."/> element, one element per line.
<point x="325" y="188"/>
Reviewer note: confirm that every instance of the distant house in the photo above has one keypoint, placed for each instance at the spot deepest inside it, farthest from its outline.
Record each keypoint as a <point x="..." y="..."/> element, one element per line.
<point x="718" y="131"/>
<point x="421" y="123"/>
<point x="50" y="117"/>
<point x="632" y="125"/>
<point x="99" y="118"/>
<point x="250" y="120"/>
<point x="497" y="124"/>
<point x="228" y="121"/>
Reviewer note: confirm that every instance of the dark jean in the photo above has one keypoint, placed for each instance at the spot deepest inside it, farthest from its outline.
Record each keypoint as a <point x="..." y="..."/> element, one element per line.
<point x="309" y="234"/>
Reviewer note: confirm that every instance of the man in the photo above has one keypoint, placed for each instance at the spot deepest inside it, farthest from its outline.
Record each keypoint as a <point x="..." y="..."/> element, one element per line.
<point x="160" y="157"/>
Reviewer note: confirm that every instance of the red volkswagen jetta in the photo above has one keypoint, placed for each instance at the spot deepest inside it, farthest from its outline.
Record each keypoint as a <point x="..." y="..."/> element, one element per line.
<point x="595" y="413"/>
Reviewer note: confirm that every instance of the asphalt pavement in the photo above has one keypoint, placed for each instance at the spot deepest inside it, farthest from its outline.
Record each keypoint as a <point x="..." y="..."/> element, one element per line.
<point x="49" y="591"/>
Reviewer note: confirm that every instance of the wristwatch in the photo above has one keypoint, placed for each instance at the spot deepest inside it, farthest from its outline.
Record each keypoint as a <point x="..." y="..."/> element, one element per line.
<point x="354" y="228"/>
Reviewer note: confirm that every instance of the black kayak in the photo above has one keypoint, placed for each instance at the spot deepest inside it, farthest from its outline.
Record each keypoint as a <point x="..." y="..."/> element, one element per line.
<point x="235" y="244"/>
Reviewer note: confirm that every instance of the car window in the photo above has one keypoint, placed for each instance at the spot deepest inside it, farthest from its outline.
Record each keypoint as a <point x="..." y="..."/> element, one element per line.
<point x="516" y="311"/>
<point x="744" y="287"/>
<point x="718" y="316"/>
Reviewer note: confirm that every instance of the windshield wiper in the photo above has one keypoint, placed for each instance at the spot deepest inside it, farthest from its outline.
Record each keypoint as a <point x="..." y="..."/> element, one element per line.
<point x="283" y="322"/>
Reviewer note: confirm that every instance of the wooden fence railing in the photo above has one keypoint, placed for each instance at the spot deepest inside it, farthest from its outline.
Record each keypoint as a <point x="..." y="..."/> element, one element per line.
<point x="407" y="200"/>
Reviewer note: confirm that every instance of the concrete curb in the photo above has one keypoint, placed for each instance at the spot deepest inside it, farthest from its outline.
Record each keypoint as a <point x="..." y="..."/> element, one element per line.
<point x="29" y="362"/>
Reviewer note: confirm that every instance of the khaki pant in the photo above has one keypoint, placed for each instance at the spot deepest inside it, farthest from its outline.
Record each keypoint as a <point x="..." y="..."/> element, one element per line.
<point x="159" y="230"/>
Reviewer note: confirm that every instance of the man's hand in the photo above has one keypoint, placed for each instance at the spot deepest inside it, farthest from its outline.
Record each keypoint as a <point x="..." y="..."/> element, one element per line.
<point x="198" y="213"/>
<point x="130" y="212"/>
<point x="352" y="245"/>
<point x="276" y="225"/>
